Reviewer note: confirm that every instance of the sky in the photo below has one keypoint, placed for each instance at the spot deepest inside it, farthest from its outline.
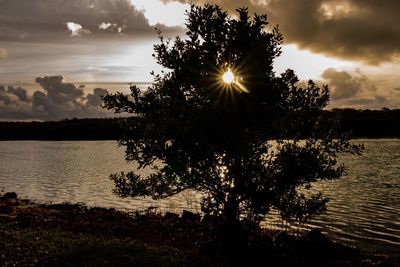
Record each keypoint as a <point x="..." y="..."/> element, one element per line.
<point x="57" y="56"/>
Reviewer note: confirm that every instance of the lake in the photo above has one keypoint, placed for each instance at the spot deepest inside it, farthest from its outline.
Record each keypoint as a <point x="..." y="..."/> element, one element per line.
<point x="364" y="207"/>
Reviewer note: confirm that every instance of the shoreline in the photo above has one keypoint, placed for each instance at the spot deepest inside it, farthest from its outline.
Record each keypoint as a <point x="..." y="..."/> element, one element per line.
<point x="107" y="237"/>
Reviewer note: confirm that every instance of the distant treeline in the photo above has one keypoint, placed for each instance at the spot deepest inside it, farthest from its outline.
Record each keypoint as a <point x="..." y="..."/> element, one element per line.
<point x="73" y="129"/>
<point x="367" y="123"/>
<point x="383" y="123"/>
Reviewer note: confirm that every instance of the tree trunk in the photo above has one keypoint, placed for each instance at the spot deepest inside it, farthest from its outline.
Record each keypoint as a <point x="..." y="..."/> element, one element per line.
<point x="231" y="209"/>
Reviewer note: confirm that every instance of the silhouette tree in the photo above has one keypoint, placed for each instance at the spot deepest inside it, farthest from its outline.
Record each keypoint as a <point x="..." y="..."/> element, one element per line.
<point x="220" y="122"/>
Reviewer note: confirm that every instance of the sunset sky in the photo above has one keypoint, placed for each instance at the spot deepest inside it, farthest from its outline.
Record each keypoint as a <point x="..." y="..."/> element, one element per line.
<point x="351" y="45"/>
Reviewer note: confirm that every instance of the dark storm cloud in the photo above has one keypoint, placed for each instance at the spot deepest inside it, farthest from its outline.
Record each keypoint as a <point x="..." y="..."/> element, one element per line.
<point x="52" y="20"/>
<point x="58" y="100"/>
<point x="364" y="30"/>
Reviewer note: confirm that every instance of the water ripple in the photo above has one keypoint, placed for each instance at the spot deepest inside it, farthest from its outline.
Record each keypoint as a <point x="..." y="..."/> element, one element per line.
<point x="364" y="207"/>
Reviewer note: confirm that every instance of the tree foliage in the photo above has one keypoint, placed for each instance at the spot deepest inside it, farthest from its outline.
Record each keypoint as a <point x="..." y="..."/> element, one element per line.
<point x="247" y="146"/>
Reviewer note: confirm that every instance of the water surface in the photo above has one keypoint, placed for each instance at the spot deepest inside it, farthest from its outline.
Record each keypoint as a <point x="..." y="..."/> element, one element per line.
<point x="364" y="207"/>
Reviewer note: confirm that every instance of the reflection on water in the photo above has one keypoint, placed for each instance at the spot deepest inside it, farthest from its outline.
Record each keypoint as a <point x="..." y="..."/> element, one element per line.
<point x="364" y="209"/>
<point x="72" y="171"/>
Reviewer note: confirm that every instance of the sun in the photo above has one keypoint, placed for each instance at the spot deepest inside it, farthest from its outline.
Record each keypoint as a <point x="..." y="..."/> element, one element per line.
<point x="228" y="77"/>
<point x="228" y="80"/>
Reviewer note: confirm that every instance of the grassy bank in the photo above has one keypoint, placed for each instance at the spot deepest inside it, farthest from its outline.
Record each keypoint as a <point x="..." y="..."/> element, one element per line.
<point x="74" y="235"/>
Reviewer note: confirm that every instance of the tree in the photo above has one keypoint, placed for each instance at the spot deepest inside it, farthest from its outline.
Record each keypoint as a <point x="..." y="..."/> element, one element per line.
<point x="248" y="144"/>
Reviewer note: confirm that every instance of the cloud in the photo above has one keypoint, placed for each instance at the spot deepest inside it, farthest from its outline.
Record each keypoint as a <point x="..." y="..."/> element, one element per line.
<point x="110" y="26"/>
<point x="352" y="29"/>
<point x="14" y="102"/>
<point x="361" y="30"/>
<point x="105" y="26"/>
<point x="373" y="102"/>
<point x="76" y="29"/>
<point x="344" y="85"/>
<point x="341" y="84"/>
<point x="3" y="53"/>
<point x="58" y="100"/>
<point x="46" y="21"/>
<point x="353" y="89"/>
<point x="94" y="99"/>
